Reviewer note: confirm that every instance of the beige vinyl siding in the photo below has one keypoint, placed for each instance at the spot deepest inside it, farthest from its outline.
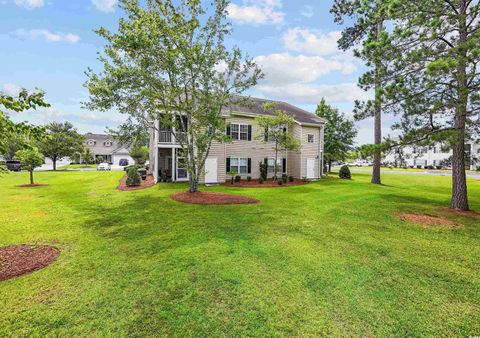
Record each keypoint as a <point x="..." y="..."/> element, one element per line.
<point x="217" y="150"/>
<point x="294" y="161"/>
<point x="310" y="150"/>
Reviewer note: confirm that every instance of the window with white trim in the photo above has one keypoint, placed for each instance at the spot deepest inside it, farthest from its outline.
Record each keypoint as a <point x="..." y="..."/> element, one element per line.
<point x="239" y="131"/>
<point x="107" y="143"/>
<point x="91" y="142"/>
<point x="243" y="132"/>
<point x="311" y="138"/>
<point x="239" y="165"/>
<point x="271" y="164"/>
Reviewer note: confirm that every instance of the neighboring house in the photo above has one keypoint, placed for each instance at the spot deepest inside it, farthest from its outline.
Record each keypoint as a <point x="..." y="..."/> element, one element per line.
<point x="436" y="156"/>
<point x="246" y="149"/>
<point x="106" y="149"/>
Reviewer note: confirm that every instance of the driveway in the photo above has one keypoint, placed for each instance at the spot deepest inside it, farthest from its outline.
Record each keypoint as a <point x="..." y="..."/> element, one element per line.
<point x="406" y="172"/>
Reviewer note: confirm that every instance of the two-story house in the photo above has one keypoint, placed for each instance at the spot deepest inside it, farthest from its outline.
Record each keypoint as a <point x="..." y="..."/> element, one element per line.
<point x="247" y="147"/>
<point x="105" y="148"/>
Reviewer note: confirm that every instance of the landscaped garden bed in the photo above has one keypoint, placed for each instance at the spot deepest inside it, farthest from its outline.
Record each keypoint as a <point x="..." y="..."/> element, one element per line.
<point x="144" y="184"/>
<point x="428" y="220"/>
<point x="212" y="198"/>
<point x="18" y="260"/>
<point x="265" y="184"/>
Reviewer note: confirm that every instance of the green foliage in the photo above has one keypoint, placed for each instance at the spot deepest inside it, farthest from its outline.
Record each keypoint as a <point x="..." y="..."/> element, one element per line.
<point x="133" y="177"/>
<point x="139" y="153"/>
<point x="232" y="174"/>
<point x="263" y="170"/>
<point x="62" y="140"/>
<point x="277" y="126"/>
<point x="339" y="133"/>
<point x="345" y="172"/>
<point x="30" y="158"/>
<point x="238" y="178"/>
<point x="163" y="64"/>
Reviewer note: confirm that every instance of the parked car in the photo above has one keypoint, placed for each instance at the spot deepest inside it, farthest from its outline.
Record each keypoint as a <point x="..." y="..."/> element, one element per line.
<point x="103" y="166"/>
<point x="13" y="165"/>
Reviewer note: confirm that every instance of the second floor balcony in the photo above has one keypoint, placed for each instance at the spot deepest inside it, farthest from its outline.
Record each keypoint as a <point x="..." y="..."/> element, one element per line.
<point x="167" y="137"/>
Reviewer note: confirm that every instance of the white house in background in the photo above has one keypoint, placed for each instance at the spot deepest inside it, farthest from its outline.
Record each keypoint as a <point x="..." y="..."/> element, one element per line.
<point x="245" y="150"/>
<point x="105" y="148"/>
<point x="436" y="156"/>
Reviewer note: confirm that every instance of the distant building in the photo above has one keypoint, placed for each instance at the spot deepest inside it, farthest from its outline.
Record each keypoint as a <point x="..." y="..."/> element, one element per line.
<point x="105" y="148"/>
<point x="436" y="156"/>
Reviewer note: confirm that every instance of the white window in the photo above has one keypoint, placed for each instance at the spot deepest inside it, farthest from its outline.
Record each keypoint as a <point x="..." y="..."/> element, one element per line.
<point x="91" y="142"/>
<point x="310" y="138"/>
<point x="239" y="165"/>
<point x="271" y="164"/>
<point x="107" y="143"/>
<point x="239" y="131"/>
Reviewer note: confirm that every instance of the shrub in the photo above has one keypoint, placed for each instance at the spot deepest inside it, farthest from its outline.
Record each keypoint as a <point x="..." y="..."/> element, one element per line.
<point x="260" y="180"/>
<point x="290" y="178"/>
<point x="232" y="174"/>
<point x="263" y="170"/>
<point x="419" y="167"/>
<point x="280" y="182"/>
<point x="429" y="167"/>
<point x="249" y="178"/>
<point x="238" y="178"/>
<point x="133" y="178"/>
<point x="439" y="167"/>
<point x="345" y="172"/>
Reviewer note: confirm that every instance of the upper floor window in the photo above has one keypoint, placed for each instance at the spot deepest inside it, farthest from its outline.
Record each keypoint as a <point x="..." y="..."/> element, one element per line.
<point x="270" y="133"/>
<point x="240" y="131"/>
<point x="310" y="138"/>
<point x="91" y="142"/>
<point x="107" y="143"/>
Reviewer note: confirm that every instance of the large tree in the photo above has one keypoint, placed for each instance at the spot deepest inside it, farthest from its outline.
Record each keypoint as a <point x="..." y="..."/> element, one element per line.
<point x="437" y="79"/>
<point x="169" y="63"/>
<point x="367" y="34"/>
<point x="62" y="140"/>
<point x="340" y="133"/>
<point x="276" y="131"/>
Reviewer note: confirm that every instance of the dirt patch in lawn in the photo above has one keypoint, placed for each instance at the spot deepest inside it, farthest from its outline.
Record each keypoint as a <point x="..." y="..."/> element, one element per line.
<point x="31" y="185"/>
<point x="144" y="184"/>
<point x="428" y="220"/>
<point x="461" y="213"/>
<point x="266" y="184"/>
<point x="18" y="260"/>
<point x="212" y="198"/>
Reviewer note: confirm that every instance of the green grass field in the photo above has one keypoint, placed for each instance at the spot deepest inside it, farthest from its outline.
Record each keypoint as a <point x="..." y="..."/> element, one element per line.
<point x="78" y="166"/>
<point x="328" y="258"/>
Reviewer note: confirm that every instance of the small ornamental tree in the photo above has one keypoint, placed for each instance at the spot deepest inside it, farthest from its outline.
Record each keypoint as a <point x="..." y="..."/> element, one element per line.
<point x="276" y="131"/>
<point x="30" y="158"/>
<point x="139" y="153"/>
<point x="62" y="140"/>
<point x="133" y="177"/>
<point x="345" y="172"/>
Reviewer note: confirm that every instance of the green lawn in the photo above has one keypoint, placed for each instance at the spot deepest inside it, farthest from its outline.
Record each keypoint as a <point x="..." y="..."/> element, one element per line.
<point x="329" y="258"/>
<point x="78" y="166"/>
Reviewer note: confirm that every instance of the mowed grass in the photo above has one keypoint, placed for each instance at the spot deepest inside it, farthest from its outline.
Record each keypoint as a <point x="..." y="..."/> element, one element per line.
<point x="328" y="258"/>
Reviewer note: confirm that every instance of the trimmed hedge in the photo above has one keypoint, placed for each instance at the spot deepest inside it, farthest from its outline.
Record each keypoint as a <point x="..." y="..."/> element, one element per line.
<point x="345" y="172"/>
<point x="133" y="178"/>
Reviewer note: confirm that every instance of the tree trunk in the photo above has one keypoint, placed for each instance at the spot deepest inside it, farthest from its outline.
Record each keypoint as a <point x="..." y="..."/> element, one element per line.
<point x="329" y="166"/>
<point x="31" y="177"/>
<point x="54" y="160"/>
<point x="459" y="180"/>
<point x="377" y="156"/>
<point x="193" y="182"/>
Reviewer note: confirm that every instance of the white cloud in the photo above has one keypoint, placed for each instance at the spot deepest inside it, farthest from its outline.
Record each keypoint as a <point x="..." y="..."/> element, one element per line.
<point x="311" y="41"/>
<point x="106" y="6"/>
<point x="260" y="12"/>
<point x="307" y="11"/>
<point x="281" y="69"/>
<point x="312" y="93"/>
<point x="30" y="4"/>
<point x="11" y="89"/>
<point x="47" y="35"/>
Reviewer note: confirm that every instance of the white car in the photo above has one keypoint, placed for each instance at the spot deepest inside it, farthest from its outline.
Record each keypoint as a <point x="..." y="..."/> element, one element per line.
<point x="103" y="166"/>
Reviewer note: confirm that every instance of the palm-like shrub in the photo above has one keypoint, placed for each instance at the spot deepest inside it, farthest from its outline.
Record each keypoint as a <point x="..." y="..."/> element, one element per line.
<point x="133" y="177"/>
<point x="345" y="172"/>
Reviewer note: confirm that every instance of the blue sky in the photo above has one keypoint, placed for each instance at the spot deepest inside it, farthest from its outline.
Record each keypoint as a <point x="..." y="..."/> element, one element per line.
<point x="50" y="43"/>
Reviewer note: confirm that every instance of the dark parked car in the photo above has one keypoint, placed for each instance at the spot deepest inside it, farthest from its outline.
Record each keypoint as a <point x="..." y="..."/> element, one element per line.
<point x="123" y="162"/>
<point x="13" y="165"/>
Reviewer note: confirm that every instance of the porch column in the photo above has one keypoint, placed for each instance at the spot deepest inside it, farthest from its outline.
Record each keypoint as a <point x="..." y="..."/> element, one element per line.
<point x="155" y="163"/>
<point x="174" y="164"/>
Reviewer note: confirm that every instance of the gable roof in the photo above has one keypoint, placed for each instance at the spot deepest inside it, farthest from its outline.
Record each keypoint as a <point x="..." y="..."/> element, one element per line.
<point x="254" y="106"/>
<point x="99" y="148"/>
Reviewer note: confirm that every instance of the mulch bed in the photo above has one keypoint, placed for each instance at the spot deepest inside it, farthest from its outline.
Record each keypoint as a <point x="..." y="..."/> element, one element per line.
<point x="144" y="184"/>
<point x="428" y="220"/>
<point x="216" y="198"/>
<point x="18" y="260"/>
<point x="31" y="185"/>
<point x="266" y="184"/>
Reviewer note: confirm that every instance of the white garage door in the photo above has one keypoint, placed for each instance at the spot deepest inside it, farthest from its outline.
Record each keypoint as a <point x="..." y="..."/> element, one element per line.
<point x="211" y="170"/>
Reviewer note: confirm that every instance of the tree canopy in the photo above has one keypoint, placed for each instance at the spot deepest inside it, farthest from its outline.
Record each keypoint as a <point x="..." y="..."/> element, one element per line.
<point x="339" y="134"/>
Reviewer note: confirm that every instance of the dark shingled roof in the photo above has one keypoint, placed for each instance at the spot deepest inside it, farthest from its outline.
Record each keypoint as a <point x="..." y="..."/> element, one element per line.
<point x="254" y="105"/>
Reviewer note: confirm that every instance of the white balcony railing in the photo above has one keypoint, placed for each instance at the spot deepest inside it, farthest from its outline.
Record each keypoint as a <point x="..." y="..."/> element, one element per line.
<point x="165" y="136"/>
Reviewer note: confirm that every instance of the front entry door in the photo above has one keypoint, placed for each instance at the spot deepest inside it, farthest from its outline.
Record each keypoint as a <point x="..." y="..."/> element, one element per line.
<point x="182" y="173"/>
<point x="211" y="170"/>
<point x="310" y="168"/>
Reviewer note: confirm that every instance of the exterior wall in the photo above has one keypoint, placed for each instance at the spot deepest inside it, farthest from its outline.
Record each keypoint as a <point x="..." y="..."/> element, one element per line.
<point x="310" y="150"/>
<point x="117" y="157"/>
<point x="294" y="161"/>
